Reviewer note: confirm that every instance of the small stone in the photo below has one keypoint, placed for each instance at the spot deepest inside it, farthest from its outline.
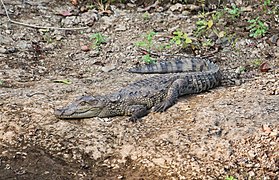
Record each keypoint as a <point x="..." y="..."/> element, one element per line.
<point x="3" y="50"/>
<point x="107" y="20"/>
<point x="176" y="7"/>
<point x="5" y="39"/>
<point x="58" y="37"/>
<point x="23" y="45"/>
<point x="186" y="13"/>
<point x="266" y="128"/>
<point x="193" y="7"/>
<point x="251" y="174"/>
<point x="274" y="134"/>
<point x="108" y="68"/>
<point x="247" y="9"/>
<point x="85" y="48"/>
<point x="120" y="28"/>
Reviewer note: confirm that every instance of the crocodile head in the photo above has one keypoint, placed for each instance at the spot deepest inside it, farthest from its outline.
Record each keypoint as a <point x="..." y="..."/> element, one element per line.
<point x="83" y="107"/>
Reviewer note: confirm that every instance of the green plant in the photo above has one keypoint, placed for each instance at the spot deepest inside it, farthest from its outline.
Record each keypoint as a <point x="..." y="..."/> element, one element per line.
<point x="257" y="28"/>
<point x="147" y="42"/>
<point x="230" y="178"/>
<point x="181" y="38"/>
<point x="267" y="2"/>
<point x="98" y="39"/>
<point x="217" y="15"/>
<point x="234" y="12"/>
<point x="147" y="59"/>
<point x="1" y="82"/>
<point x="207" y="43"/>
<point x="257" y="62"/>
<point x="202" y="26"/>
<point x="146" y="16"/>
<point x="64" y="81"/>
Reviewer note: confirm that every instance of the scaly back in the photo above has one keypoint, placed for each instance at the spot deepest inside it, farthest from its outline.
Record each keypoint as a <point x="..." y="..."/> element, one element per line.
<point x="176" y="65"/>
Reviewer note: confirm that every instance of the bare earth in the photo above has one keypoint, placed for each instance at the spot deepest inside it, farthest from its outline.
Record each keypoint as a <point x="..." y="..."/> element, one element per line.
<point x="229" y="131"/>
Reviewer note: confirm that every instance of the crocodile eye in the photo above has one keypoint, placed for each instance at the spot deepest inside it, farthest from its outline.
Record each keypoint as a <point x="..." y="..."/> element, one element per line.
<point x="94" y="102"/>
<point x="83" y="103"/>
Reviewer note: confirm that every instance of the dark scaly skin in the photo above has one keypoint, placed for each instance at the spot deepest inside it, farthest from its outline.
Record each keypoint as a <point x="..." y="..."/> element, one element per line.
<point x="156" y="93"/>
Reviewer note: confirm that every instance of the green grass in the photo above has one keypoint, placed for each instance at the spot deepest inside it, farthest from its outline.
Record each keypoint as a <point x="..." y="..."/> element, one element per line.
<point x="97" y="39"/>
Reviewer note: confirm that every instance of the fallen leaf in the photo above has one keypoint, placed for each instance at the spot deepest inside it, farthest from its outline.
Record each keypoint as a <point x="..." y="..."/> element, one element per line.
<point x="264" y="67"/>
<point x="64" y="81"/>
<point x="74" y="2"/>
<point x="209" y="24"/>
<point x="65" y="13"/>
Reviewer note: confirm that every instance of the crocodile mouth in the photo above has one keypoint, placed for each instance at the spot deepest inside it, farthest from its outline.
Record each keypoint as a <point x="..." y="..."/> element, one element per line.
<point x="68" y="114"/>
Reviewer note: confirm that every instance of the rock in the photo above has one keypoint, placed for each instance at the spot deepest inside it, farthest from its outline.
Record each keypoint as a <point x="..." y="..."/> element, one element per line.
<point x="186" y="13"/>
<point x="71" y="21"/>
<point x="3" y="50"/>
<point x="107" y="20"/>
<point x="176" y="7"/>
<point x="23" y="45"/>
<point x="120" y="27"/>
<point x="247" y="9"/>
<point x="89" y="17"/>
<point x="85" y="48"/>
<point x="108" y="68"/>
<point x="58" y="37"/>
<point x="5" y="39"/>
<point x="274" y="39"/>
<point x="193" y="7"/>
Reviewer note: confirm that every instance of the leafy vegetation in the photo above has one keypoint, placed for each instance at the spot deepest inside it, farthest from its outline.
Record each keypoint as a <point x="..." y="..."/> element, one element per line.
<point x="147" y="44"/>
<point x="202" y="26"/>
<point x="257" y="28"/>
<point x="63" y="81"/>
<point x="234" y="12"/>
<point x="97" y="39"/>
<point x="148" y="59"/>
<point x="146" y="16"/>
<point x="256" y="63"/>
<point x="181" y="39"/>
<point x="230" y="178"/>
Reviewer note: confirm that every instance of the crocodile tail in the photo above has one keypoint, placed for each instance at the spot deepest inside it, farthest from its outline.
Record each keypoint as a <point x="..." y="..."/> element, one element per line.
<point x="175" y="65"/>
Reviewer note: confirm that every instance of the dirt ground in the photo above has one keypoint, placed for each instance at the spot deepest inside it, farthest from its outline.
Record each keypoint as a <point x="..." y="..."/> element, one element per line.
<point x="227" y="131"/>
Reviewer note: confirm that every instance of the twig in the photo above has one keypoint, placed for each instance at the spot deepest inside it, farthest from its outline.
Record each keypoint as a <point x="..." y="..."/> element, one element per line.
<point x="35" y="26"/>
<point x="149" y="7"/>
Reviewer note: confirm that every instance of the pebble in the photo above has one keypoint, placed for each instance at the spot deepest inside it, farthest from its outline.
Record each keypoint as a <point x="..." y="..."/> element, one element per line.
<point x="120" y="28"/>
<point x="3" y="50"/>
<point x="5" y="39"/>
<point x="108" y="68"/>
<point x="176" y="7"/>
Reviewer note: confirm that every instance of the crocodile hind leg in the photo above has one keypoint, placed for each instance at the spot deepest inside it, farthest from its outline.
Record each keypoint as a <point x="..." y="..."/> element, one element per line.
<point x="136" y="112"/>
<point x="171" y="97"/>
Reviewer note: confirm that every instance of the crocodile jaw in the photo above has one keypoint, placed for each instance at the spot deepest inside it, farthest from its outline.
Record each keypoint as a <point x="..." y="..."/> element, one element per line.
<point x="65" y="113"/>
<point x="84" y="107"/>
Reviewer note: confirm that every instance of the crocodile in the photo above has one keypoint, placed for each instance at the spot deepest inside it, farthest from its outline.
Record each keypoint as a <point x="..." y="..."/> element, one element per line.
<point x="178" y="76"/>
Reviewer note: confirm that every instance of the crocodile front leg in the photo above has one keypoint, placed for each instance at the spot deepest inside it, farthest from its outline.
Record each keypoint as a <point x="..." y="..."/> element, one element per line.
<point x="171" y="97"/>
<point x="136" y="112"/>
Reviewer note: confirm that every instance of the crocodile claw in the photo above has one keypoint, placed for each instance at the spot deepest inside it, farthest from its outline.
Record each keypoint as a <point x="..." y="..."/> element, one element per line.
<point x="161" y="107"/>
